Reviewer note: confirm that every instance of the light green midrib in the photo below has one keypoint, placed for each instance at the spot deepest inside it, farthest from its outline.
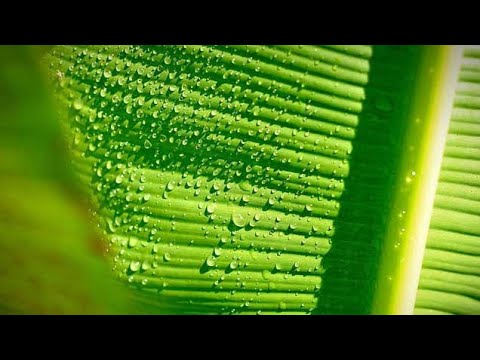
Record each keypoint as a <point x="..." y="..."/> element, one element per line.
<point x="404" y="244"/>
<point x="453" y="250"/>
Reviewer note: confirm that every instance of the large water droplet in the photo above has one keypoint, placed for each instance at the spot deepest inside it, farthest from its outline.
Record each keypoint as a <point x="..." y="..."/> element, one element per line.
<point x="211" y="208"/>
<point x="171" y="185"/>
<point x="245" y="185"/>
<point x="211" y="261"/>
<point x="217" y="251"/>
<point x="238" y="220"/>
<point x="135" y="266"/>
<point x="77" y="104"/>
<point x="132" y="242"/>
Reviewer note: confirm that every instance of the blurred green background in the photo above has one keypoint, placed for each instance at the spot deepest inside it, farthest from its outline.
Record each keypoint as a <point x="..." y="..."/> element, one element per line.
<point x="50" y="259"/>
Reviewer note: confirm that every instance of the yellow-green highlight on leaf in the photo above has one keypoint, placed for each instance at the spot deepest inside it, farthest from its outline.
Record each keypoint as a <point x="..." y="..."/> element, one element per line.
<point x="450" y="277"/>
<point x="416" y="180"/>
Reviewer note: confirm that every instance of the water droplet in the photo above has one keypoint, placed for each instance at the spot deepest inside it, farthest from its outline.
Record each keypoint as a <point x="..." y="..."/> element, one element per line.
<point x="135" y="266"/>
<point x="132" y="242"/>
<point x="147" y="144"/>
<point x="77" y="104"/>
<point x="127" y="99"/>
<point x="238" y="220"/>
<point x="217" y="251"/>
<point x="211" y="261"/>
<point x="171" y="185"/>
<point x="167" y="257"/>
<point x="245" y="185"/>
<point x="282" y="305"/>
<point x="233" y="264"/>
<point x="211" y="208"/>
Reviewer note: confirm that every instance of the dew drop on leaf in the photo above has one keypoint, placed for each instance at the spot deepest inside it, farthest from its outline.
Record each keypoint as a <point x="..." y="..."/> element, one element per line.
<point x="238" y="220"/>
<point x="135" y="266"/>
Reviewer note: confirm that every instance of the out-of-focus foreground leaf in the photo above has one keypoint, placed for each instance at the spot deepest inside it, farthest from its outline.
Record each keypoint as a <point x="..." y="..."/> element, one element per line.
<point x="50" y="259"/>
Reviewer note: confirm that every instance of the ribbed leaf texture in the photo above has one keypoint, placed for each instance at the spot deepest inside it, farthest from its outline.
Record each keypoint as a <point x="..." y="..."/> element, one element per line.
<point x="450" y="278"/>
<point x="238" y="179"/>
